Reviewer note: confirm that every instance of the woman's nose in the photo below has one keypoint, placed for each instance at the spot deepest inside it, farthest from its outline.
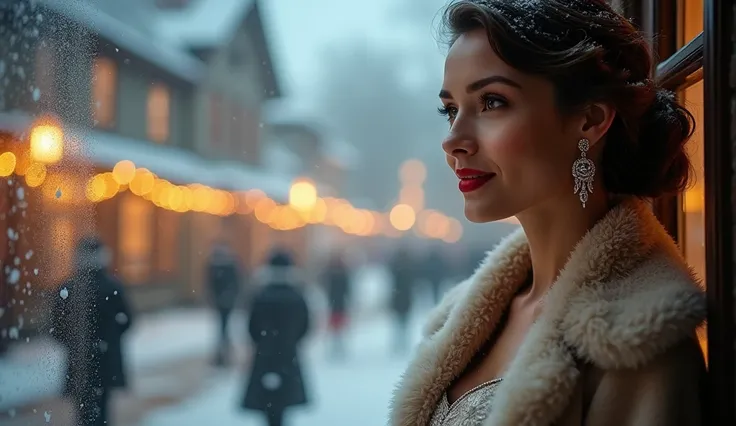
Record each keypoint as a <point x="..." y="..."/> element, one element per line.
<point x="459" y="144"/>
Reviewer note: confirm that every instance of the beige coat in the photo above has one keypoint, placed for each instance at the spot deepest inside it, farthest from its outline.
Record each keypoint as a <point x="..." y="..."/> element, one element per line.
<point x="614" y="346"/>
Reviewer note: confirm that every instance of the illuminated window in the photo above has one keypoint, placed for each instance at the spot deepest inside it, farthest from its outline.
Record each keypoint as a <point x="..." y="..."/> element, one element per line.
<point x="168" y="241"/>
<point x="104" y="88"/>
<point x="134" y="236"/>
<point x="158" y="113"/>
<point x="61" y="263"/>
<point x="692" y="223"/>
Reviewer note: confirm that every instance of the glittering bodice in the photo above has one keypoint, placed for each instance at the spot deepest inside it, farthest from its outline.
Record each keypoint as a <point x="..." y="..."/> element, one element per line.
<point x="471" y="409"/>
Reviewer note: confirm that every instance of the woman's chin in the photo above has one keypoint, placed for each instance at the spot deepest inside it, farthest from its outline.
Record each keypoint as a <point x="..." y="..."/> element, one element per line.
<point x="484" y="214"/>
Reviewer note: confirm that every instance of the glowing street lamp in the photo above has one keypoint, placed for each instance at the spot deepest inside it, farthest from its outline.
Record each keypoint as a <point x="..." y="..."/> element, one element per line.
<point x="402" y="217"/>
<point x="303" y="195"/>
<point x="47" y="143"/>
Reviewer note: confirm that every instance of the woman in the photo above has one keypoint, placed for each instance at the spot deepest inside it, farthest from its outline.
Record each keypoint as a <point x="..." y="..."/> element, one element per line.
<point x="279" y="320"/>
<point x="587" y="315"/>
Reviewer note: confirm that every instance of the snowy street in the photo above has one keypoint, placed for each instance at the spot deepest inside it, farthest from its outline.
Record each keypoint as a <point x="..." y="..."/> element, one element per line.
<point x="173" y="382"/>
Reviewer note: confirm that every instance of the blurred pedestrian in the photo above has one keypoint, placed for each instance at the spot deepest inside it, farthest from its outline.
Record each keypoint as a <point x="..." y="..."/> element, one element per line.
<point x="224" y="280"/>
<point x="337" y="281"/>
<point x="279" y="320"/>
<point x="90" y="314"/>
<point x="403" y="272"/>
<point x="435" y="271"/>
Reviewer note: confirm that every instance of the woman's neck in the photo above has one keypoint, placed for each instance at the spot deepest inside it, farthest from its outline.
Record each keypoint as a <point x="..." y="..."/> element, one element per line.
<point x="553" y="232"/>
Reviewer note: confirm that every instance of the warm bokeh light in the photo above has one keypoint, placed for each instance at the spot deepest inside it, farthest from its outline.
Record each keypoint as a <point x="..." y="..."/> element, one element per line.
<point x="124" y="172"/>
<point x="455" y="231"/>
<point x="142" y="183"/>
<point x="35" y="175"/>
<point x="47" y="143"/>
<point x="302" y="195"/>
<point x="402" y="217"/>
<point x="413" y="196"/>
<point x="7" y="164"/>
<point x="95" y="190"/>
<point x="412" y="172"/>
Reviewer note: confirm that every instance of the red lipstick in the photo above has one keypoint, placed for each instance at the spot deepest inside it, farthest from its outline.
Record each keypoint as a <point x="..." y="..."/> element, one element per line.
<point x="471" y="179"/>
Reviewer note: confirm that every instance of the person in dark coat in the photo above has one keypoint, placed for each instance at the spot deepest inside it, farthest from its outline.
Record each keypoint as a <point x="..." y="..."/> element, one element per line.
<point x="435" y="272"/>
<point x="90" y="314"/>
<point x="337" y="280"/>
<point x="224" y="281"/>
<point x="279" y="320"/>
<point x="403" y="272"/>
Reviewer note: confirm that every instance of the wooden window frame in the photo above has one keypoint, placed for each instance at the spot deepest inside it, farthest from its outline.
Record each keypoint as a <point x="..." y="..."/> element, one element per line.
<point x="703" y="58"/>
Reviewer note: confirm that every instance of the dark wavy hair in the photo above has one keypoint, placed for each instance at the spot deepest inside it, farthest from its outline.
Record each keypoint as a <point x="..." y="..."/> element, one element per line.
<point x="590" y="53"/>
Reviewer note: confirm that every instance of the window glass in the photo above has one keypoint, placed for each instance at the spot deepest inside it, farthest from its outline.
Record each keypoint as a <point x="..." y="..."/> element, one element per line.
<point x="104" y="87"/>
<point x="692" y="223"/>
<point x="158" y="113"/>
<point x="135" y="238"/>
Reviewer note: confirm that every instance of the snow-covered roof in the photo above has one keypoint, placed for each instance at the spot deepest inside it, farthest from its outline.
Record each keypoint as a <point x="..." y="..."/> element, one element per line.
<point x="202" y="23"/>
<point x="158" y="51"/>
<point x="175" y="164"/>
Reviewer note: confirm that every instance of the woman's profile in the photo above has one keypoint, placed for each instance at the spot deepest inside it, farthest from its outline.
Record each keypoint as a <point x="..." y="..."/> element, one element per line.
<point x="587" y="314"/>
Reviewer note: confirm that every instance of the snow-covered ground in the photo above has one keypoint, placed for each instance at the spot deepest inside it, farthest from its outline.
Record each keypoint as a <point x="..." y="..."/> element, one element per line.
<point x="34" y="371"/>
<point x="355" y="392"/>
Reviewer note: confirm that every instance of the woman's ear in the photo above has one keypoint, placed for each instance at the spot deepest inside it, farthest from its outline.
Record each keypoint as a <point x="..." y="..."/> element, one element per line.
<point x="597" y="119"/>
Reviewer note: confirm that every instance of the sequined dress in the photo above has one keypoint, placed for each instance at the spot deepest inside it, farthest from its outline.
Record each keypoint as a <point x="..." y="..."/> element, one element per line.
<point x="471" y="409"/>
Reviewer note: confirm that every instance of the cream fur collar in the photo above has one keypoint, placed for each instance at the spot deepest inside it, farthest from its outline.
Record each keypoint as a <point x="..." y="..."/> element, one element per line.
<point x="624" y="297"/>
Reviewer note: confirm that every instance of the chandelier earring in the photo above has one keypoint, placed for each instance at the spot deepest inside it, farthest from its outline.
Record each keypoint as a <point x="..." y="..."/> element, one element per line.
<point x="583" y="170"/>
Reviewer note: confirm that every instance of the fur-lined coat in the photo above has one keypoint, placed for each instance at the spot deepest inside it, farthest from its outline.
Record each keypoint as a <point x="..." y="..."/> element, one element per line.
<point x="614" y="346"/>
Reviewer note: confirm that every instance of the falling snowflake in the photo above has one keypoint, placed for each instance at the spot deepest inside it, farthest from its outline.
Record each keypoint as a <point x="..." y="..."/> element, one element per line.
<point x="29" y="254"/>
<point x="14" y="276"/>
<point x="35" y="271"/>
<point x="47" y="416"/>
<point x="36" y="94"/>
<point x="64" y="293"/>
<point x="20" y="193"/>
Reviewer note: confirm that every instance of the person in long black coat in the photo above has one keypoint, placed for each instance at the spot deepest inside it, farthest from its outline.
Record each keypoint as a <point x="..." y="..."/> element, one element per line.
<point x="337" y="281"/>
<point x="279" y="320"/>
<point x="89" y="316"/>
<point x="224" y="279"/>
<point x="403" y="272"/>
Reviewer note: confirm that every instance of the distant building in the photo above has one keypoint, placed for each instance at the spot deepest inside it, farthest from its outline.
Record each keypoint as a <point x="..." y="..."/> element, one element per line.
<point x="174" y="86"/>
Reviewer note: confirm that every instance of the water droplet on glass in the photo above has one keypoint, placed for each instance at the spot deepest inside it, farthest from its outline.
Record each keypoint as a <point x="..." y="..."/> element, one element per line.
<point x="36" y="94"/>
<point x="64" y="293"/>
<point x="115" y="292"/>
<point x="29" y="254"/>
<point x="35" y="271"/>
<point x="14" y="276"/>
<point x="58" y="193"/>
<point x="47" y="416"/>
<point x="117" y="49"/>
<point x="16" y="260"/>
<point x="21" y="193"/>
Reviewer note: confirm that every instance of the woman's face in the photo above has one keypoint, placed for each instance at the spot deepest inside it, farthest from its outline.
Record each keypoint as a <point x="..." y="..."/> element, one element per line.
<point x="508" y="142"/>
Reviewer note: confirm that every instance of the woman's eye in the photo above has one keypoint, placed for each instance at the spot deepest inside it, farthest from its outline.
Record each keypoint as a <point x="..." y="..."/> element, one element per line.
<point x="448" y="111"/>
<point x="492" y="102"/>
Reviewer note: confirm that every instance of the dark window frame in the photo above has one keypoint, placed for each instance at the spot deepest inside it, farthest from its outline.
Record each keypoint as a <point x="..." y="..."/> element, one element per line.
<point x="703" y="58"/>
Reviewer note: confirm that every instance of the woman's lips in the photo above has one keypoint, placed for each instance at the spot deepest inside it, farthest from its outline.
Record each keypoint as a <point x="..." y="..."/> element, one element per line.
<point x="471" y="179"/>
<point x="473" y="183"/>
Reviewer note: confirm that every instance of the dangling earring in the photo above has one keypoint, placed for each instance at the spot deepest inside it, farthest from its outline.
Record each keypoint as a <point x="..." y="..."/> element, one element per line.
<point x="583" y="170"/>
